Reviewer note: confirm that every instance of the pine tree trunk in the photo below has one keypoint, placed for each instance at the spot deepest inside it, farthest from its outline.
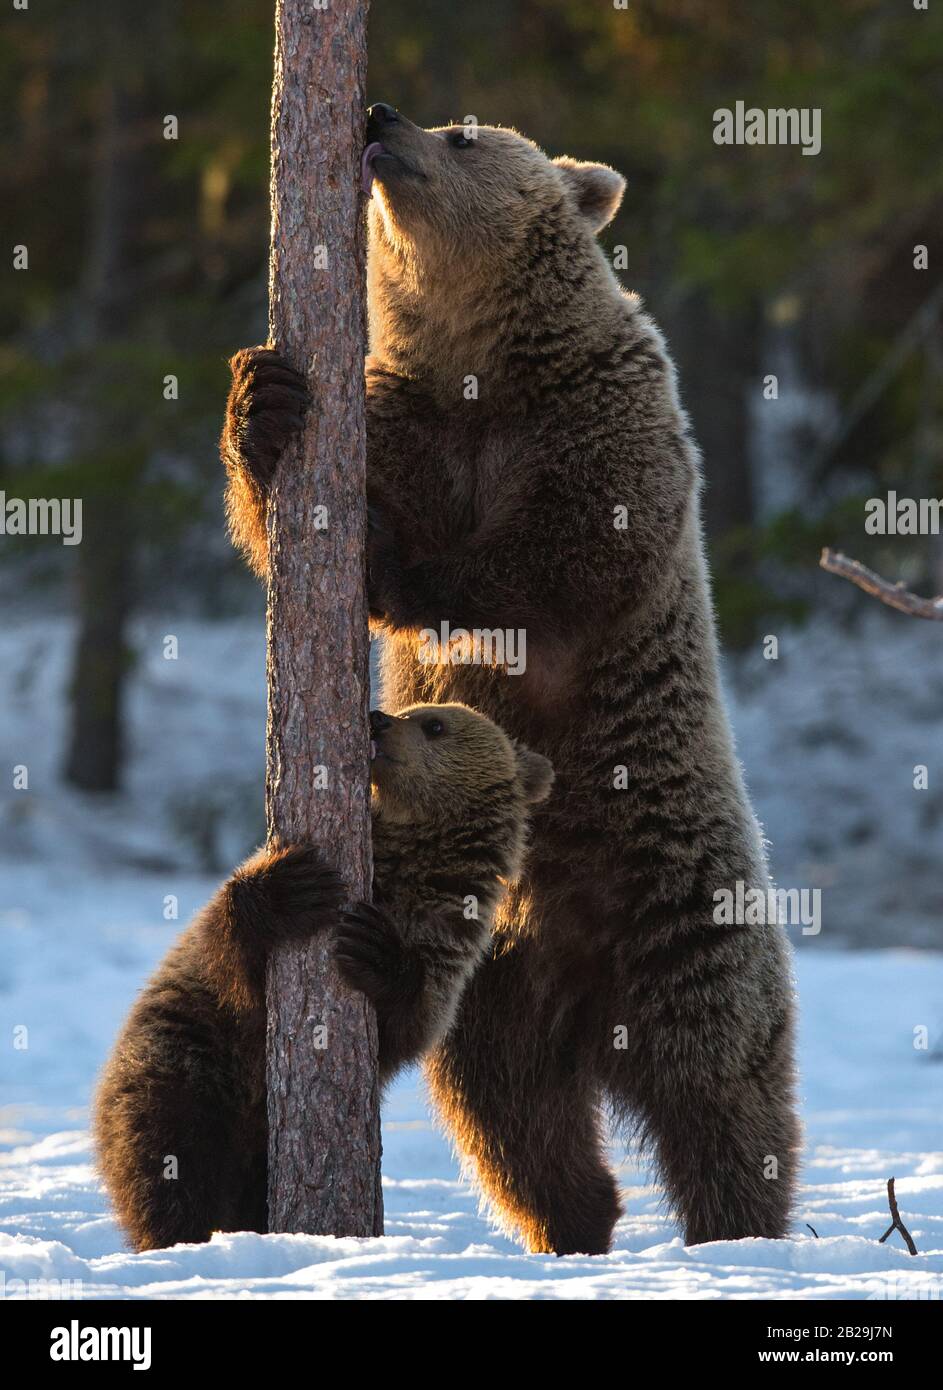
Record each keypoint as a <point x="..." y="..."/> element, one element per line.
<point x="323" y="1103"/>
<point x="101" y="657"/>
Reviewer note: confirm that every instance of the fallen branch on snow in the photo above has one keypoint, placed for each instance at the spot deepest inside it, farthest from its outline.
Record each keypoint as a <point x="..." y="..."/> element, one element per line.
<point x="897" y="1224"/>
<point x="894" y="595"/>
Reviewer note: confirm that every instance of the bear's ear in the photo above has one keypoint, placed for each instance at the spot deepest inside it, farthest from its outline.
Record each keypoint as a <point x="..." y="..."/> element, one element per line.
<point x="596" y="189"/>
<point x="535" y="772"/>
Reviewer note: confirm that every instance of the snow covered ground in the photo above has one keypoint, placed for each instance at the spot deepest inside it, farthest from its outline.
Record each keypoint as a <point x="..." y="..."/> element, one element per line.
<point x="84" y="888"/>
<point x="872" y="1107"/>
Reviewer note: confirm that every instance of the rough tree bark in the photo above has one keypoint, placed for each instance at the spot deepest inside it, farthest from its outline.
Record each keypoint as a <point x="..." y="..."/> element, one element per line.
<point x="323" y="1103"/>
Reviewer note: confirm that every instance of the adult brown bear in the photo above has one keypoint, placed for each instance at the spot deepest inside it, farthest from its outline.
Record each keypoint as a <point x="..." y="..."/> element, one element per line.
<point x="530" y="469"/>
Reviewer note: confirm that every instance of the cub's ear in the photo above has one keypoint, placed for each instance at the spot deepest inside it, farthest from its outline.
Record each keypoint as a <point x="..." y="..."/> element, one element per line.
<point x="595" y="188"/>
<point x="535" y="772"/>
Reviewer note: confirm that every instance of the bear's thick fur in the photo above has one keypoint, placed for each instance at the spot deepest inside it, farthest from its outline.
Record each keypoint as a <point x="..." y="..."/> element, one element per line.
<point x="186" y="1079"/>
<point x="530" y="467"/>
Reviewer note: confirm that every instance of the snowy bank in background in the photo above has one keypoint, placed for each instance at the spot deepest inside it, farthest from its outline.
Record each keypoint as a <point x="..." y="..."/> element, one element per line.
<point x="829" y="736"/>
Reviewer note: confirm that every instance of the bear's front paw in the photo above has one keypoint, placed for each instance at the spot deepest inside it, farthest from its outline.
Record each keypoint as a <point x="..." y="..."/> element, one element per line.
<point x="266" y="406"/>
<point x="292" y="889"/>
<point x="369" y="953"/>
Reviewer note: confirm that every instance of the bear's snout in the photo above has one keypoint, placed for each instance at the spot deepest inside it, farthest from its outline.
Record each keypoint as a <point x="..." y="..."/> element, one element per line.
<point x="379" y="117"/>
<point x="379" y="721"/>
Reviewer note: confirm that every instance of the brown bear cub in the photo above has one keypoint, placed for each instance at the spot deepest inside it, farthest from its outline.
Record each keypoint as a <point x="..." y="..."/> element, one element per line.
<point x="530" y="469"/>
<point x="180" y="1117"/>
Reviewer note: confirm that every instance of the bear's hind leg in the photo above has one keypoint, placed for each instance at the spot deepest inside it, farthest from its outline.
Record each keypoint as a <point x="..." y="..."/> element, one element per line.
<point x="528" y="1121"/>
<point x="728" y="1166"/>
<point x="174" y="1171"/>
<point x="727" y="1148"/>
<point x="180" y="1120"/>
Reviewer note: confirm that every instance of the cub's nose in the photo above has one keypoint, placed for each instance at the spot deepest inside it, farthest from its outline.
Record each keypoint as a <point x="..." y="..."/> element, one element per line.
<point x="379" y="721"/>
<point x="379" y="117"/>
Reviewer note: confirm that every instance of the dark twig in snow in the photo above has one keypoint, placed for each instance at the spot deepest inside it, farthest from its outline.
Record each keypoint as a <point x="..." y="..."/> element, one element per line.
<point x="897" y="1224"/>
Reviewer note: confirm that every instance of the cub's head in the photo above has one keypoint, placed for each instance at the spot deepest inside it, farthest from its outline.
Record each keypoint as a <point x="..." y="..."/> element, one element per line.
<point x="467" y="196"/>
<point x="450" y="765"/>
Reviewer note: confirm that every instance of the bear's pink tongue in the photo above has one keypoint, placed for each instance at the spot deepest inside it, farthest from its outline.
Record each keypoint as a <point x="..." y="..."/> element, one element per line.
<point x="366" y="165"/>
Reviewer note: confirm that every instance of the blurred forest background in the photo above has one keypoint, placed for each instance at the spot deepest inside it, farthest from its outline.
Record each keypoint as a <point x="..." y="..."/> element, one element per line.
<point x="147" y="257"/>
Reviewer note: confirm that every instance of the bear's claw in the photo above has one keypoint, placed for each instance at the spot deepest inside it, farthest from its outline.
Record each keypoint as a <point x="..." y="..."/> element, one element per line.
<point x="266" y="406"/>
<point x="367" y="950"/>
<point x="292" y="887"/>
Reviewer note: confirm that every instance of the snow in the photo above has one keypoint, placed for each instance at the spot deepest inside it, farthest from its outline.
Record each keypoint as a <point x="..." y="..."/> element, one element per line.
<point x="830" y="734"/>
<point x="83" y="922"/>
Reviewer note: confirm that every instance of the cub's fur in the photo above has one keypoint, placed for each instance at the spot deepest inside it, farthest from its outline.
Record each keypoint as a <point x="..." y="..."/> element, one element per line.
<point x="186" y="1080"/>
<point x="560" y="496"/>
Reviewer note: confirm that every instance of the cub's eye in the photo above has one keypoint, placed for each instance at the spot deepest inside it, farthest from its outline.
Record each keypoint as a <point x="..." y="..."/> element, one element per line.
<point x="460" y="142"/>
<point x="432" y="728"/>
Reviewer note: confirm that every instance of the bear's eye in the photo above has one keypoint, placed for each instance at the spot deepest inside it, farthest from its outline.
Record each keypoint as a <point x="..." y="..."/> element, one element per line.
<point x="432" y="728"/>
<point x="460" y="142"/>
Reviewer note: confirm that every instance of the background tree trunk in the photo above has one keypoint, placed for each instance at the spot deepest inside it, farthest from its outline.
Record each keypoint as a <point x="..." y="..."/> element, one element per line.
<point x="323" y="1102"/>
<point x="101" y="658"/>
<point x="105" y="562"/>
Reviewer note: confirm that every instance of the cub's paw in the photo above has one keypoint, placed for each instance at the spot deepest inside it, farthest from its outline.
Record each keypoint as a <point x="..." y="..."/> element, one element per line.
<point x="266" y="406"/>
<point x="292" y="888"/>
<point x="368" y="951"/>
